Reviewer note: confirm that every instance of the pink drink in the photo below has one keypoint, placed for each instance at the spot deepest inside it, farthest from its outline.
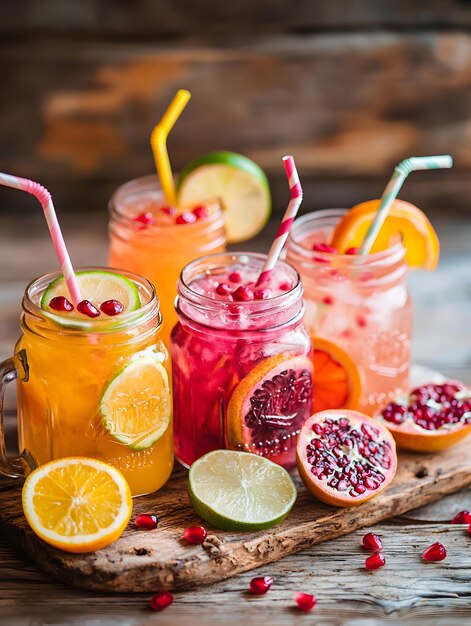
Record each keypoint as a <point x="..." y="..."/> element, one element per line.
<point x="242" y="374"/>
<point x="359" y="303"/>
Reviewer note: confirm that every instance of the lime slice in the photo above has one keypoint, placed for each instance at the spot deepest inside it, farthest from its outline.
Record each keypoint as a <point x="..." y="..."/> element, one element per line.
<point x="240" y="491"/>
<point x="97" y="286"/>
<point x="136" y="406"/>
<point x="239" y="184"/>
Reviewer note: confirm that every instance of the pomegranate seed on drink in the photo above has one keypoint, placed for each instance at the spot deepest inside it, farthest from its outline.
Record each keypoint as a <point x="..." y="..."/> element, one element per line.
<point x="223" y="289"/>
<point x="305" y="601"/>
<point x="361" y="321"/>
<point x="59" y="303"/>
<point x="145" y="218"/>
<point x="111" y="307"/>
<point x="352" y="251"/>
<point x="328" y="300"/>
<point x="168" y="210"/>
<point x="261" y="585"/>
<point x="147" y="521"/>
<point x="323" y="247"/>
<point x="235" y="277"/>
<point x="463" y="517"/>
<point x="161" y="601"/>
<point x="195" y="534"/>
<point x="375" y="561"/>
<point x="200" y="212"/>
<point x="243" y="294"/>
<point x="285" y="286"/>
<point x="185" y="218"/>
<point x="87" y="308"/>
<point x="435" y="552"/>
<point x="372" y="542"/>
<point x="262" y="294"/>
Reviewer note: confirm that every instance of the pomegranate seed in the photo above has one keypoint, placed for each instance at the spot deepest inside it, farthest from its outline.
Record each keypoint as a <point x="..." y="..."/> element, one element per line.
<point x="235" y="277"/>
<point x="200" y="212"/>
<point x="305" y="601"/>
<point x="435" y="552"/>
<point x="352" y="251"/>
<point x="185" y="218"/>
<point x="161" y="601"/>
<point x="361" y="321"/>
<point x="262" y="294"/>
<point x="147" y="521"/>
<point x="285" y="286"/>
<point x="59" y="303"/>
<point x="195" y="534"/>
<point x="168" y="210"/>
<point x="145" y="218"/>
<point x="375" y="561"/>
<point x="328" y="300"/>
<point x="243" y="294"/>
<point x="111" y="307"/>
<point x="463" y="517"/>
<point x="323" y="247"/>
<point x="87" y="308"/>
<point x="261" y="585"/>
<point x="372" y="542"/>
<point x="223" y="289"/>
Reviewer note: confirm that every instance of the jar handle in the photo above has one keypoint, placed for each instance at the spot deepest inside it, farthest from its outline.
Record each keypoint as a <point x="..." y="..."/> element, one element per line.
<point x="10" y="370"/>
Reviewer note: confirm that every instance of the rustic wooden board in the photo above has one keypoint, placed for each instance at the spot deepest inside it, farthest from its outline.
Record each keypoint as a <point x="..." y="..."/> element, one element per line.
<point x="146" y="561"/>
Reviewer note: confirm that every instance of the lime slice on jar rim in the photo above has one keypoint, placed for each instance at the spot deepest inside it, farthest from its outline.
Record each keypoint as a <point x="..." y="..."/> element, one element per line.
<point x="240" y="491"/>
<point x="237" y="182"/>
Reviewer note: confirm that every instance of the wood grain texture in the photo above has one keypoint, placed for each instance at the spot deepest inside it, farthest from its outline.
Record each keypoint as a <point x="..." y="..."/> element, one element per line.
<point x="146" y="561"/>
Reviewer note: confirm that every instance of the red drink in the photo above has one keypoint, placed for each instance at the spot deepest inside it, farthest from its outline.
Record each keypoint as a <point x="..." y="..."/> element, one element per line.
<point x="241" y="373"/>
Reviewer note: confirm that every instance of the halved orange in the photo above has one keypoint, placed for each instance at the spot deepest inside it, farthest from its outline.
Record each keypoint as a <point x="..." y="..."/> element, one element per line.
<point x="404" y="221"/>
<point x="337" y="383"/>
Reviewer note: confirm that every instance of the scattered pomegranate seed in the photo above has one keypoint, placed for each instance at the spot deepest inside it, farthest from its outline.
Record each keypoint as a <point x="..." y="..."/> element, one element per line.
<point x="323" y="247"/>
<point x="223" y="289"/>
<point x="200" y="212"/>
<point x="285" y="286"/>
<point x="361" y="321"/>
<point x="111" y="307"/>
<point x="235" y="277"/>
<point x="305" y="601"/>
<point x="243" y="294"/>
<point x="352" y="251"/>
<point x="145" y="218"/>
<point x="261" y="585"/>
<point x="87" y="308"/>
<point x="147" y="521"/>
<point x="195" y="534"/>
<point x="262" y="294"/>
<point x="168" y="210"/>
<point x="375" y="561"/>
<point x="328" y="300"/>
<point x="185" y="218"/>
<point x="59" y="303"/>
<point x="463" y="517"/>
<point x="161" y="601"/>
<point x="372" y="542"/>
<point x="435" y="552"/>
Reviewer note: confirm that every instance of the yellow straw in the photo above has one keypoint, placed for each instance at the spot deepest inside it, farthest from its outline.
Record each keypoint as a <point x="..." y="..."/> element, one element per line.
<point x="158" y="141"/>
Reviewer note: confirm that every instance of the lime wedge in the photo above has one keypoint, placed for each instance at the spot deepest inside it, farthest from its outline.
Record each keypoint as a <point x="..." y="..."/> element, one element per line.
<point x="135" y="406"/>
<point x="240" y="491"/>
<point x="97" y="286"/>
<point x="237" y="182"/>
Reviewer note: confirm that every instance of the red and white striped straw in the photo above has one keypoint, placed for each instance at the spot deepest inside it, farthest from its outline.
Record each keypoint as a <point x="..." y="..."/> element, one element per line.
<point x="44" y="197"/>
<point x="288" y="218"/>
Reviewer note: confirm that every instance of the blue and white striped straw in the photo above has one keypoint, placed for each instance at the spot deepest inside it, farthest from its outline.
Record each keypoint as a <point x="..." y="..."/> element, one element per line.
<point x="401" y="172"/>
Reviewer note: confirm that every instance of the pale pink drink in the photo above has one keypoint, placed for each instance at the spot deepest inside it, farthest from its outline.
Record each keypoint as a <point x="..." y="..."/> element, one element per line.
<point x="361" y="303"/>
<point x="242" y="374"/>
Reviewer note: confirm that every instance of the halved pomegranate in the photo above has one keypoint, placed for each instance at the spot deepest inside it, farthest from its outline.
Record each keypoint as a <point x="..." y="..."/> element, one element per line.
<point x="345" y="457"/>
<point x="432" y="417"/>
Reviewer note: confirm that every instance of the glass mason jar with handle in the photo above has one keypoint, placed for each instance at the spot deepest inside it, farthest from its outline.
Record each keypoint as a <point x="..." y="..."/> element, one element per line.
<point x="97" y="388"/>
<point x="242" y="372"/>
<point x="359" y="303"/>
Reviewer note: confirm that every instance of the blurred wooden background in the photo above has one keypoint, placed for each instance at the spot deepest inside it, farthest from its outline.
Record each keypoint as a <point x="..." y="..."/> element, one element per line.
<point x="349" y="87"/>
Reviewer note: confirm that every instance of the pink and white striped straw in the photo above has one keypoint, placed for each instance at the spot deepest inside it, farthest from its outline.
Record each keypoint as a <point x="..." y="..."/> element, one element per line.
<point x="288" y="218"/>
<point x="44" y="197"/>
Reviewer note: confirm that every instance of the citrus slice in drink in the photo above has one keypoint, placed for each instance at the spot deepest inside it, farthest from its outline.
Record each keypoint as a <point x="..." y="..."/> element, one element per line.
<point x="237" y="182"/>
<point x="77" y="504"/>
<point x="240" y="491"/>
<point x="404" y="222"/>
<point x="337" y="383"/>
<point x="96" y="286"/>
<point x="268" y="406"/>
<point x="136" y="406"/>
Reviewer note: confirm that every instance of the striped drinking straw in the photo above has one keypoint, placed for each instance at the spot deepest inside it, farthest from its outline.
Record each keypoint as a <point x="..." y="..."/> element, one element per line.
<point x="401" y="172"/>
<point x="44" y="197"/>
<point x="288" y="218"/>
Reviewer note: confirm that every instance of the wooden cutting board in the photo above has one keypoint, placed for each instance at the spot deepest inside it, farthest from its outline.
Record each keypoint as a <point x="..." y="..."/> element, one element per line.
<point x="151" y="560"/>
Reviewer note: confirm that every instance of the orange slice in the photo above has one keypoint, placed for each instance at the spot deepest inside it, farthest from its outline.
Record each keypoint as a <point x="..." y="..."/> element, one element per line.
<point x="77" y="504"/>
<point x="404" y="221"/>
<point x="337" y="382"/>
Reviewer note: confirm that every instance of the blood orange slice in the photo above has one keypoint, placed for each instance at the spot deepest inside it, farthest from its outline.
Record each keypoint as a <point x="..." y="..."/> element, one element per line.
<point x="269" y="406"/>
<point x="337" y="382"/>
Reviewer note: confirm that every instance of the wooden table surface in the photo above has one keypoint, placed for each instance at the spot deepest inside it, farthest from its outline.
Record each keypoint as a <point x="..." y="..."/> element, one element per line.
<point x="406" y="591"/>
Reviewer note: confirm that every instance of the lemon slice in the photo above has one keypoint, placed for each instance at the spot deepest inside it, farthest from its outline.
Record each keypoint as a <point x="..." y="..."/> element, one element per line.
<point x="237" y="182"/>
<point x="136" y="407"/>
<point x="77" y="504"/>
<point x="240" y="491"/>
